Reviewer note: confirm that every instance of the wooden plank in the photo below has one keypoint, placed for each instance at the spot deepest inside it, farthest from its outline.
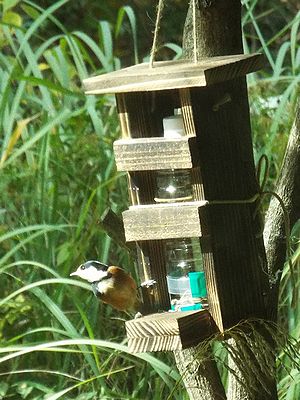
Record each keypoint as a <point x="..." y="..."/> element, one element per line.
<point x="174" y="74"/>
<point x="187" y="111"/>
<point x="169" y="331"/>
<point x="189" y="126"/>
<point x="157" y="258"/>
<point x="148" y="154"/>
<point x="123" y="115"/>
<point x="235" y="273"/>
<point x="163" y="221"/>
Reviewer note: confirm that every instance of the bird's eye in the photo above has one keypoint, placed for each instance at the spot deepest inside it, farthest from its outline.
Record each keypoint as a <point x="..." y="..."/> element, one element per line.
<point x="82" y="267"/>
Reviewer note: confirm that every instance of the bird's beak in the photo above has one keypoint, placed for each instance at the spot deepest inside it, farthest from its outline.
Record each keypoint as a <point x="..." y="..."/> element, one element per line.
<point x="74" y="273"/>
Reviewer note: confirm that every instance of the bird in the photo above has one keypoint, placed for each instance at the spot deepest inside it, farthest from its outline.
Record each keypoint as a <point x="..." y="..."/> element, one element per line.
<point x="111" y="284"/>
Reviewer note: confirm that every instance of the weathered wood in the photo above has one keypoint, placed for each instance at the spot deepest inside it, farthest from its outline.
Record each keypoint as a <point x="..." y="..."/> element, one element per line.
<point x="147" y="122"/>
<point x="236" y="273"/>
<point x="163" y="221"/>
<point x="169" y="331"/>
<point x="167" y="75"/>
<point x="146" y="154"/>
<point x="187" y="111"/>
<point x="157" y="258"/>
<point x="122" y="112"/>
<point x="142" y="113"/>
<point x="190" y="130"/>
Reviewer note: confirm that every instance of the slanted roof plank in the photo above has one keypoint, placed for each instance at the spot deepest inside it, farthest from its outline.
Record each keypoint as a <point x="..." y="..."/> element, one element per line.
<point x="165" y="75"/>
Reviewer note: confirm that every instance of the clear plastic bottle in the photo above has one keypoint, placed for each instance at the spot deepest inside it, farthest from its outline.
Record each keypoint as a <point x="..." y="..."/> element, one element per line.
<point x="173" y="185"/>
<point x="185" y="276"/>
<point x="183" y="261"/>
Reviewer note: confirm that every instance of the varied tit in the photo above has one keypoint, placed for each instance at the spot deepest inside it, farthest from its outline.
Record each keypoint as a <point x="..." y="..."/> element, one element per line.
<point x="110" y="284"/>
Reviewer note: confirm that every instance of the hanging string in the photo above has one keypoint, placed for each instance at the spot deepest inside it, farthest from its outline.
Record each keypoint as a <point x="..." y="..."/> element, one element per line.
<point x="262" y="162"/>
<point x="160" y="8"/>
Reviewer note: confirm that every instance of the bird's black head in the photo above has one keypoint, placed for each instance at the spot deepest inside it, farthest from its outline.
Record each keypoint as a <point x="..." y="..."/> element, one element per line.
<point x="94" y="264"/>
<point x="91" y="271"/>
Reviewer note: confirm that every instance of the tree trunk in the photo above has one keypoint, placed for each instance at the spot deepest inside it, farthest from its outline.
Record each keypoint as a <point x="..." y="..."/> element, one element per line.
<point x="218" y="29"/>
<point x="288" y="188"/>
<point x="219" y="33"/>
<point x="201" y="377"/>
<point x="216" y="35"/>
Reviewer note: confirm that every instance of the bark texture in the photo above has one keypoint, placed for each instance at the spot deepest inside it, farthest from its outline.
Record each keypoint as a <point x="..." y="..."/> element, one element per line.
<point x="288" y="188"/>
<point x="218" y="29"/>
<point x="252" y="369"/>
<point x="201" y="379"/>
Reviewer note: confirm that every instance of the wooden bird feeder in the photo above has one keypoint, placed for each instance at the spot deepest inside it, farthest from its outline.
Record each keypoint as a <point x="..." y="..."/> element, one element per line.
<point x="145" y="96"/>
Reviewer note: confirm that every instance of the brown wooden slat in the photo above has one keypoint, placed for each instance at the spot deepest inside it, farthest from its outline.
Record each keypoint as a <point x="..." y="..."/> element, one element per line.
<point x="167" y="343"/>
<point x="235" y="275"/>
<point x="147" y="154"/>
<point x="188" y="120"/>
<point x="123" y="115"/>
<point x="152" y="108"/>
<point x="163" y="221"/>
<point x="169" y="331"/>
<point x="187" y="111"/>
<point x="174" y="74"/>
<point x="157" y="259"/>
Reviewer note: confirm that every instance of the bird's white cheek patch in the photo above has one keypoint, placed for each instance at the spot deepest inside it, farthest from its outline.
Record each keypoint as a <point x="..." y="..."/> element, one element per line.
<point x="105" y="285"/>
<point x="91" y="274"/>
<point x="100" y="275"/>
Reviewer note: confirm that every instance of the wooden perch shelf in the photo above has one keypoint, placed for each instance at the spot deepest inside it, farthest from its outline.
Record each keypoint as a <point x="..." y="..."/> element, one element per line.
<point x="163" y="221"/>
<point x="147" y="154"/>
<point x="169" y="331"/>
<point x="174" y="74"/>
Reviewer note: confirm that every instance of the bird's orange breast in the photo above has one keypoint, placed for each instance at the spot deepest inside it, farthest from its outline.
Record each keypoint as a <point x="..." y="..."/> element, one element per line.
<point x="122" y="294"/>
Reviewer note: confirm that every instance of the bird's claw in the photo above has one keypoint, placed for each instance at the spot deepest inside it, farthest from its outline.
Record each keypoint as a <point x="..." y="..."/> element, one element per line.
<point x="147" y="284"/>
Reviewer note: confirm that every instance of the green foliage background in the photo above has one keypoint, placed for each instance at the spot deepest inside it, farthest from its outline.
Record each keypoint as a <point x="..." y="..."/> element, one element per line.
<point x="58" y="176"/>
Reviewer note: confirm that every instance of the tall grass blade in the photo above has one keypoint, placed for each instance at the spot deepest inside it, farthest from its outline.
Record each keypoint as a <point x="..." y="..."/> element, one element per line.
<point x="295" y="41"/>
<point x="127" y="10"/>
<point x="153" y="361"/>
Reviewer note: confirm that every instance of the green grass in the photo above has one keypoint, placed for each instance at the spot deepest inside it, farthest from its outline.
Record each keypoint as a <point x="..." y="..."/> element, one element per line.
<point x="58" y="176"/>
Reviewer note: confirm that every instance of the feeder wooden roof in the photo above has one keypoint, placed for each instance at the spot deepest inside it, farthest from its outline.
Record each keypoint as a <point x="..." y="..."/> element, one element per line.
<point x="166" y="75"/>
